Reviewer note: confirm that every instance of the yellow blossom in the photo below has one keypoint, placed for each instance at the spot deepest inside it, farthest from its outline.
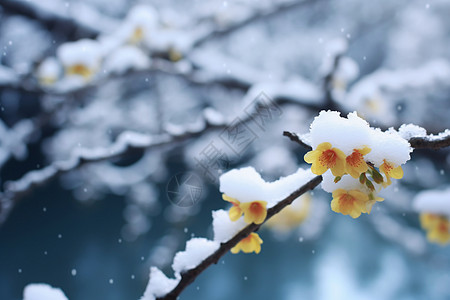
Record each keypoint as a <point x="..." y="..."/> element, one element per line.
<point x="325" y="157"/>
<point x="254" y="212"/>
<point x="351" y="202"/>
<point x="235" y="211"/>
<point x="355" y="163"/>
<point x="252" y="243"/>
<point x="79" y="69"/>
<point x="291" y="216"/>
<point x="438" y="228"/>
<point x="390" y="170"/>
<point x="137" y="36"/>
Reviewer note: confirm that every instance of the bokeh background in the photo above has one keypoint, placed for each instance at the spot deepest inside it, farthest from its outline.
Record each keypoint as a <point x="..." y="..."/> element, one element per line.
<point x="173" y="76"/>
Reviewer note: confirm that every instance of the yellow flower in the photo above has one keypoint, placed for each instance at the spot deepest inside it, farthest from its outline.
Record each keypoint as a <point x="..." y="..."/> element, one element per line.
<point x="254" y="212"/>
<point x="251" y="243"/>
<point x="428" y="221"/>
<point x="351" y="202"/>
<point x="438" y="228"/>
<point x="390" y="170"/>
<point x="325" y="157"/>
<point x="235" y="211"/>
<point x="137" y="36"/>
<point x="291" y="216"/>
<point x="79" y="69"/>
<point x="355" y="163"/>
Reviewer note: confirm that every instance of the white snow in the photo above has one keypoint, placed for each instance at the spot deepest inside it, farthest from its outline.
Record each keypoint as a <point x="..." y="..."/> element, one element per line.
<point x="224" y="229"/>
<point x="41" y="291"/>
<point x="49" y="69"/>
<point x="7" y="75"/>
<point x="408" y="131"/>
<point x="213" y="117"/>
<point x="197" y="249"/>
<point x="85" y="52"/>
<point x="158" y="285"/>
<point x="126" y="58"/>
<point x="353" y="132"/>
<point x="246" y="185"/>
<point x="433" y="201"/>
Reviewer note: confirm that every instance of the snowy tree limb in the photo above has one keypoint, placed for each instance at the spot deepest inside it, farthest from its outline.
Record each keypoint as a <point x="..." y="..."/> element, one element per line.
<point x="128" y="143"/>
<point x="427" y="142"/>
<point x="48" y="19"/>
<point x="294" y="137"/>
<point x="430" y="143"/>
<point x="259" y="15"/>
<point x="189" y="276"/>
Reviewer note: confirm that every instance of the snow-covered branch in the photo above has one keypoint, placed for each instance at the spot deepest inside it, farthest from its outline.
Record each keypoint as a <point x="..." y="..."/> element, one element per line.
<point x="419" y="141"/>
<point x="189" y="276"/>
<point x="49" y="19"/>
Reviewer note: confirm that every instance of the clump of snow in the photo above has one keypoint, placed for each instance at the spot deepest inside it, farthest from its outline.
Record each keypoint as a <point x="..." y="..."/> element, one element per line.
<point x="197" y="249"/>
<point x="408" y="131"/>
<point x="85" y="52"/>
<point x="159" y="285"/>
<point x="347" y="69"/>
<point x="433" y="201"/>
<point x="126" y="58"/>
<point x="246" y="185"/>
<point x="41" y="291"/>
<point x="224" y="229"/>
<point x="144" y="16"/>
<point x="7" y="75"/>
<point x="353" y="132"/>
<point x="343" y="133"/>
<point x="49" y="70"/>
<point x="213" y="117"/>
<point x="389" y="146"/>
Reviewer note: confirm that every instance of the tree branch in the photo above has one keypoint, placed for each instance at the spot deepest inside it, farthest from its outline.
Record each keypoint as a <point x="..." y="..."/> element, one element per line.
<point x="427" y="142"/>
<point x="49" y="20"/>
<point x="260" y="15"/>
<point x="430" y="143"/>
<point x="294" y="137"/>
<point x="189" y="276"/>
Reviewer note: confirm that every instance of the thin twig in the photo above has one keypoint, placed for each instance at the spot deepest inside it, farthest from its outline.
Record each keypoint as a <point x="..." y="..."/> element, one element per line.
<point x="189" y="276"/>
<point x="294" y="137"/>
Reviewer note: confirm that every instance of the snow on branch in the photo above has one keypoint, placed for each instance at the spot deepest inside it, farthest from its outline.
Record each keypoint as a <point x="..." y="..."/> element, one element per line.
<point x="259" y="14"/>
<point x="417" y="138"/>
<point x="126" y="144"/>
<point x="190" y="275"/>
<point x="49" y="19"/>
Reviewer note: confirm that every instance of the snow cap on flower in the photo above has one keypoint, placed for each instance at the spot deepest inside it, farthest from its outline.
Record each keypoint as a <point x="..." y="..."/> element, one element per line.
<point x="82" y="57"/>
<point x="389" y="146"/>
<point x="433" y="201"/>
<point x="49" y="71"/>
<point x="246" y="185"/>
<point x="348" y="134"/>
<point x="345" y="134"/>
<point x="86" y="52"/>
